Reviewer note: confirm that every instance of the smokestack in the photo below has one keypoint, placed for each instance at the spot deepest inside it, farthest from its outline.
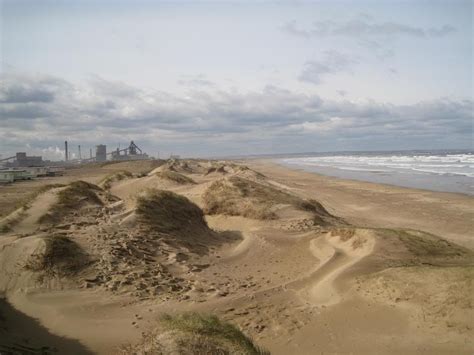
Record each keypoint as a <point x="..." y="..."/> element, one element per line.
<point x="90" y="151"/>
<point x="80" y="155"/>
<point x="66" y="152"/>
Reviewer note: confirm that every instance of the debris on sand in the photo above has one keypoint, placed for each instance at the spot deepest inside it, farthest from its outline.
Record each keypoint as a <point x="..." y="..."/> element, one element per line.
<point x="58" y="256"/>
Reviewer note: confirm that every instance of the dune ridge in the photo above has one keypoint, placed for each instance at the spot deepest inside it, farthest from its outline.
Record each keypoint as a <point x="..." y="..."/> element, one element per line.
<point x="214" y="236"/>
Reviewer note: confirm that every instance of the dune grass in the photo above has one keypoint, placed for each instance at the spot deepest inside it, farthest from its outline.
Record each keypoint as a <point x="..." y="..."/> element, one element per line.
<point x="165" y="212"/>
<point x="11" y="221"/>
<point x="25" y="203"/>
<point x="70" y="199"/>
<point x="60" y="256"/>
<point x="193" y="333"/>
<point x="108" y="180"/>
<point x="175" y="177"/>
<point x="212" y="327"/>
<point x="424" y="244"/>
<point x="427" y="249"/>
<point x="237" y="196"/>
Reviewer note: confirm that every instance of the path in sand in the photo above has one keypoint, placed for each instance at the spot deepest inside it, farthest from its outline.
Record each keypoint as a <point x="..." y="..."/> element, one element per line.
<point x="37" y="209"/>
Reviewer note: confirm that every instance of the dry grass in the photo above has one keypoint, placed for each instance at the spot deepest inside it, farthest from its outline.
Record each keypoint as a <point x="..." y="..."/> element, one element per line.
<point x="9" y="222"/>
<point x="193" y="333"/>
<point x="175" y="177"/>
<point x="178" y="166"/>
<point x="26" y="202"/>
<point x="60" y="257"/>
<point x="427" y="245"/>
<point x="73" y="197"/>
<point x="421" y="248"/>
<point x="167" y="212"/>
<point x="216" y="169"/>
<point x="107" y="181"/>
<point x="236" y="196"/>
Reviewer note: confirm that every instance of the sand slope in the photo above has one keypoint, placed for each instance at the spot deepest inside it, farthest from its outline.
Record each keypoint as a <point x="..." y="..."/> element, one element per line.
<point x="298" y="279"/>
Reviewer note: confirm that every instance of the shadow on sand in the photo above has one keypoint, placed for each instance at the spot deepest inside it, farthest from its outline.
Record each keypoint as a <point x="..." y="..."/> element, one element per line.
<point x="20" y="334"/>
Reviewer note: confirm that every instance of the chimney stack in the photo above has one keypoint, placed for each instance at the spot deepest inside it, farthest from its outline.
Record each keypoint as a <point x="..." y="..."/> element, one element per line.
<point x="66" y="152"/>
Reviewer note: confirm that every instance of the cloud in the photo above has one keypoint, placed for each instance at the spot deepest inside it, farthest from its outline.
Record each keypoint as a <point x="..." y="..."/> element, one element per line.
<point x="195" y="81"/>
<point x="365" y="27"/>
<point x="211" y="121"/>
<point x="35" y="89"/>
<point x="331" y="62"/>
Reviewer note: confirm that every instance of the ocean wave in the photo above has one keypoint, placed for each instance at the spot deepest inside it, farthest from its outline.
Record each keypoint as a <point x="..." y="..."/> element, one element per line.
<point x="449" y="164"/>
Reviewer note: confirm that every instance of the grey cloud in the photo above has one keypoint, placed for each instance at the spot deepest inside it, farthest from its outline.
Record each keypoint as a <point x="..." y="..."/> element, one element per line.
<point x="331" y="62"/>
<point x="21" y="89"/>
<point x="364" y="27"/>
<point x="440" y="32"/>
<point x="195" y="81"/>
<point x="210" y="121"/>
<point x="110" y="88"/>
<point x="292" y="28"/>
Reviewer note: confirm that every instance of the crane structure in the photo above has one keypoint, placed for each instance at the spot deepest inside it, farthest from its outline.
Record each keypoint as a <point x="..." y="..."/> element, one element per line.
<point x="132" y="152"/>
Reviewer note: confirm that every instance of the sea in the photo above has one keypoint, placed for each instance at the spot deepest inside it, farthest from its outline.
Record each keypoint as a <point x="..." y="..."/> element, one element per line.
<point x="436" y="170"/>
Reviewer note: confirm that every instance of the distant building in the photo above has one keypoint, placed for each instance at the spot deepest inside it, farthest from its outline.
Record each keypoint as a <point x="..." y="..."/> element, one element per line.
<point x="6" y="176"/>
<point x="132" y="152"/>
<point x="101" y="153"/>
<point x="23" y="160"/>
<point x="11" y="175"/>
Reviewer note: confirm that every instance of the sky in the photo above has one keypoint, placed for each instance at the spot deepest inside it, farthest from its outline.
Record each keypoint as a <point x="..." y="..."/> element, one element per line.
<point x="216" y="78"/>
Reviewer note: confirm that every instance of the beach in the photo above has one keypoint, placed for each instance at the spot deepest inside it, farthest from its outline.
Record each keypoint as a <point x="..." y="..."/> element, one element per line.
<point x="450" y="215"/>
<point x="300" y="262"/>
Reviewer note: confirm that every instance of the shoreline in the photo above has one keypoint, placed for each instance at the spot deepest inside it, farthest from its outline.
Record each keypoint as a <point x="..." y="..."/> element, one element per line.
<point x="369" y="204"/>
<point x="406" y="180"/>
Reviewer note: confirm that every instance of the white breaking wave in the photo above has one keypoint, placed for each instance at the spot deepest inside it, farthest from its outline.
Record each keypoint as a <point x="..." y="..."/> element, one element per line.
<point x="447" y="164"/>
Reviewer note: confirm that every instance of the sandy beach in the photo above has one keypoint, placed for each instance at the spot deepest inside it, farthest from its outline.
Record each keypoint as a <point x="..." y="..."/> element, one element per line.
<point x="302" y="263"/>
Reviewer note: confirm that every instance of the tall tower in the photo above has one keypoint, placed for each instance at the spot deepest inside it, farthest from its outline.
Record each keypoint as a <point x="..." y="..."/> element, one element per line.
<point x="66" y="154"/>
<point x="100" y="153"/>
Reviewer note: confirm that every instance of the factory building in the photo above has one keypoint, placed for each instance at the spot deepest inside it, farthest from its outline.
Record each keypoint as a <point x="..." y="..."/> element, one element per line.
<point x="23" y="160"/>
<point x="101" y="153"/>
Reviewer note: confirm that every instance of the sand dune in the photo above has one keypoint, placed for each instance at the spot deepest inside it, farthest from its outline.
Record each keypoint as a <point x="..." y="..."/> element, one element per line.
<point x="98" y="265"/>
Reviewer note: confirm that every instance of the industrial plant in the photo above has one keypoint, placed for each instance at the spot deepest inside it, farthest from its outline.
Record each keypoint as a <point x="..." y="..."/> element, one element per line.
<point x="24" y="167"/>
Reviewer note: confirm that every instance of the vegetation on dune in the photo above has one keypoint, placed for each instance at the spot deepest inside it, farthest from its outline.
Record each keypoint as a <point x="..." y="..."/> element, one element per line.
<point x="231" y="168"/>
<point x="165" y="212"/>
<point x="60" y="256"/>
<point x="177" y="166"/>
<point x="236" y="196"/>
<point x="425" y="248"/>
<point x="107" y="181"/>
<point x="424" y="244"/>
<point x="9" y="222"/>
<point x="26" y="202"/>
<point x="194" y="333"/>
<point x="74" y="196"/>
<point x="216" y="169"/>
<point x="175" y="177"/>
